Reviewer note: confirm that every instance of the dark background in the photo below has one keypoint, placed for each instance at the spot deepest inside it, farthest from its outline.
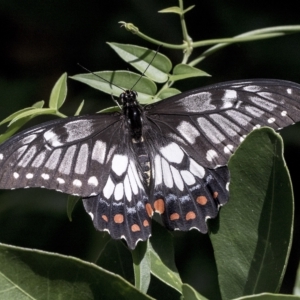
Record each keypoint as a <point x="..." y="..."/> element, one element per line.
<point x="42" y="39"/>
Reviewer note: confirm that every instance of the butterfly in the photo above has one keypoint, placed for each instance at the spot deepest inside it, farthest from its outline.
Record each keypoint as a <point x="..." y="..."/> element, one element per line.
<point x="169" y="157"/>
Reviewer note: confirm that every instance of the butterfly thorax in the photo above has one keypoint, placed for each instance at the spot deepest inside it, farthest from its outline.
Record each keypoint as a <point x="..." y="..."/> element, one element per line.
<point x="133" y="113"/>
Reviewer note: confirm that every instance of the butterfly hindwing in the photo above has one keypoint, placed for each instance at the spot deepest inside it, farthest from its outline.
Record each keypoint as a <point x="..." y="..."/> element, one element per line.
<point x="185" y="193"/>
<point x="122" y="207"/>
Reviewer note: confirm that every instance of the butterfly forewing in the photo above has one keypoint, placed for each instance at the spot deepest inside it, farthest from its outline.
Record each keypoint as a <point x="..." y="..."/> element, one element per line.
<point x="169" y="157"/>
<point x="71" y="155"/>
<point x="209" y="123"/>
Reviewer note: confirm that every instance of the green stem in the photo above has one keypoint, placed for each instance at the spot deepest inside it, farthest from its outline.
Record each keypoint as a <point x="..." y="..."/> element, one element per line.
<point x="257" y="34"/>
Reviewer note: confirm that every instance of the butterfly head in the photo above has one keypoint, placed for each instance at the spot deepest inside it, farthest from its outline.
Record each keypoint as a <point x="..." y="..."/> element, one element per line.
<point x="129" y="98"/>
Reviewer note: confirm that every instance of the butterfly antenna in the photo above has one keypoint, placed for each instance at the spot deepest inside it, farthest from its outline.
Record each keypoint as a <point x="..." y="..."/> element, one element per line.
<point x="86" y="69"/>
<point x="147" y="67"/>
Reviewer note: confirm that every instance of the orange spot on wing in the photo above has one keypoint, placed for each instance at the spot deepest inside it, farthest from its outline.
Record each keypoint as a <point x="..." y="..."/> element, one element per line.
<point x="104" y="217"/>
<point x="118" y="218"/>
<point x="190" y="215"/>
<point x="174" y="216"/>
<point x="215" y="195"/>
<point x="149" y="210"/>
<point x="202" y="200"/>
<point x="146" y="223"/>
<point x="135" y="228"/>
<point x="159" y="206"/>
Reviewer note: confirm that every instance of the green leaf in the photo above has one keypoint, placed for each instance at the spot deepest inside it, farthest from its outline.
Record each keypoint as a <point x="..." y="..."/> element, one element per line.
<point x="59" y="92"/>
<point x="39" y="104"/>
<point x="33" y="274"/>
<point x="183" y="71"/>
<point x="79" y="108"/>
<point x="162" y="257"/>
<point x="141" y="58"/>
<point x="176" y="10"/>
<point x="110" y="109"/>
<point x="252" y="237"/>
<point x="118" y="80"/>
<point x="11" y="130"/>
<point x="268" y="296"/>
<point x="169" y="92"/>
<point x="115" y="257"/>
<point x="189" y="293"/>
<point x="172" y="9"/>
<point x="297" y="283"/>
<point x="35" y="112"/>
<point x="72" y="200"/>
<point x="141" y="266"/>
<point x="15" y="114"/>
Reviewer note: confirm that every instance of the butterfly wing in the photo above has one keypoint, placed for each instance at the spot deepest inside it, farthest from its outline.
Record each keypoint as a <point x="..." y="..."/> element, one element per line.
<point x="71" y="155"/>
<point x="89" y="156"/>
<point x="209" y="123"/>
<point x="182" y="191"/>
<point x="121" y="206"/>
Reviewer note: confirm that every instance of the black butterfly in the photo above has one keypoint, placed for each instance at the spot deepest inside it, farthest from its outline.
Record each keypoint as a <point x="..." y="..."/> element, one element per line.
<point x="169" y="157"/>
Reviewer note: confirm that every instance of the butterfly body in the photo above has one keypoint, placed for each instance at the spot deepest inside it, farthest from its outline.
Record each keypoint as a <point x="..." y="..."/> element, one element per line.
<point x="169" y="157"/>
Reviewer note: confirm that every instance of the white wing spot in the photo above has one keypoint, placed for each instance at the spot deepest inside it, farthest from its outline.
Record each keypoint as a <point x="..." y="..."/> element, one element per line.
<point x="91" y="215"/>
<point x="52" y="138"/>
<point x="53" y="159"/>
<point x="211" y="155"/>
<point x="263" y="103"/>
<point x="177" y="178"/>
<point x="188" y="131"/>
<point x="29" y="139"/>
<point x="254" y="111"/>
<point x="242" y="138"/>
<point x="127" y="188"/>
<point x="93" y="181"/>
<point x="284" y="113"/>
<point x="158" y="170"/>
<point x="109" y="188"/>
<point x="210" y="131"/>
<point x="16" y="175"/>
<point x="227" y="186"/>
<point x="78" y="129"/>
<point x="188" y="177"/>
<point x="66" y="164"/>
<point x="1" y="156"/>
<point x="289" y="91"/>
<point x="77" y="183"/>
<point x="82" y="159"/>
<point x="230" y="128"/>
<point x="256" y="126"/>
<point x="119" y="164"/>
<point x="173" y="153"/>
<point x="119" y="191"/>
<point x="29" y="175"/>
<point x="271" y="120"/>
<point x="39" y="160"/>
<point x="60" y="180"/>
<point x="27" y="157"/>
<point x="196" y="169"/>
<point x="167" y="176"/>
<point x="45" y="176"/>
<point x="99" y="151"/>
<point x="228" y="149"/>
<point x="252" y="88"/>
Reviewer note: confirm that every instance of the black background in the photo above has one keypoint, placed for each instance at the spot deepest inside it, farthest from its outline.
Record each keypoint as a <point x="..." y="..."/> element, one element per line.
<point x="42" y="39"/>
